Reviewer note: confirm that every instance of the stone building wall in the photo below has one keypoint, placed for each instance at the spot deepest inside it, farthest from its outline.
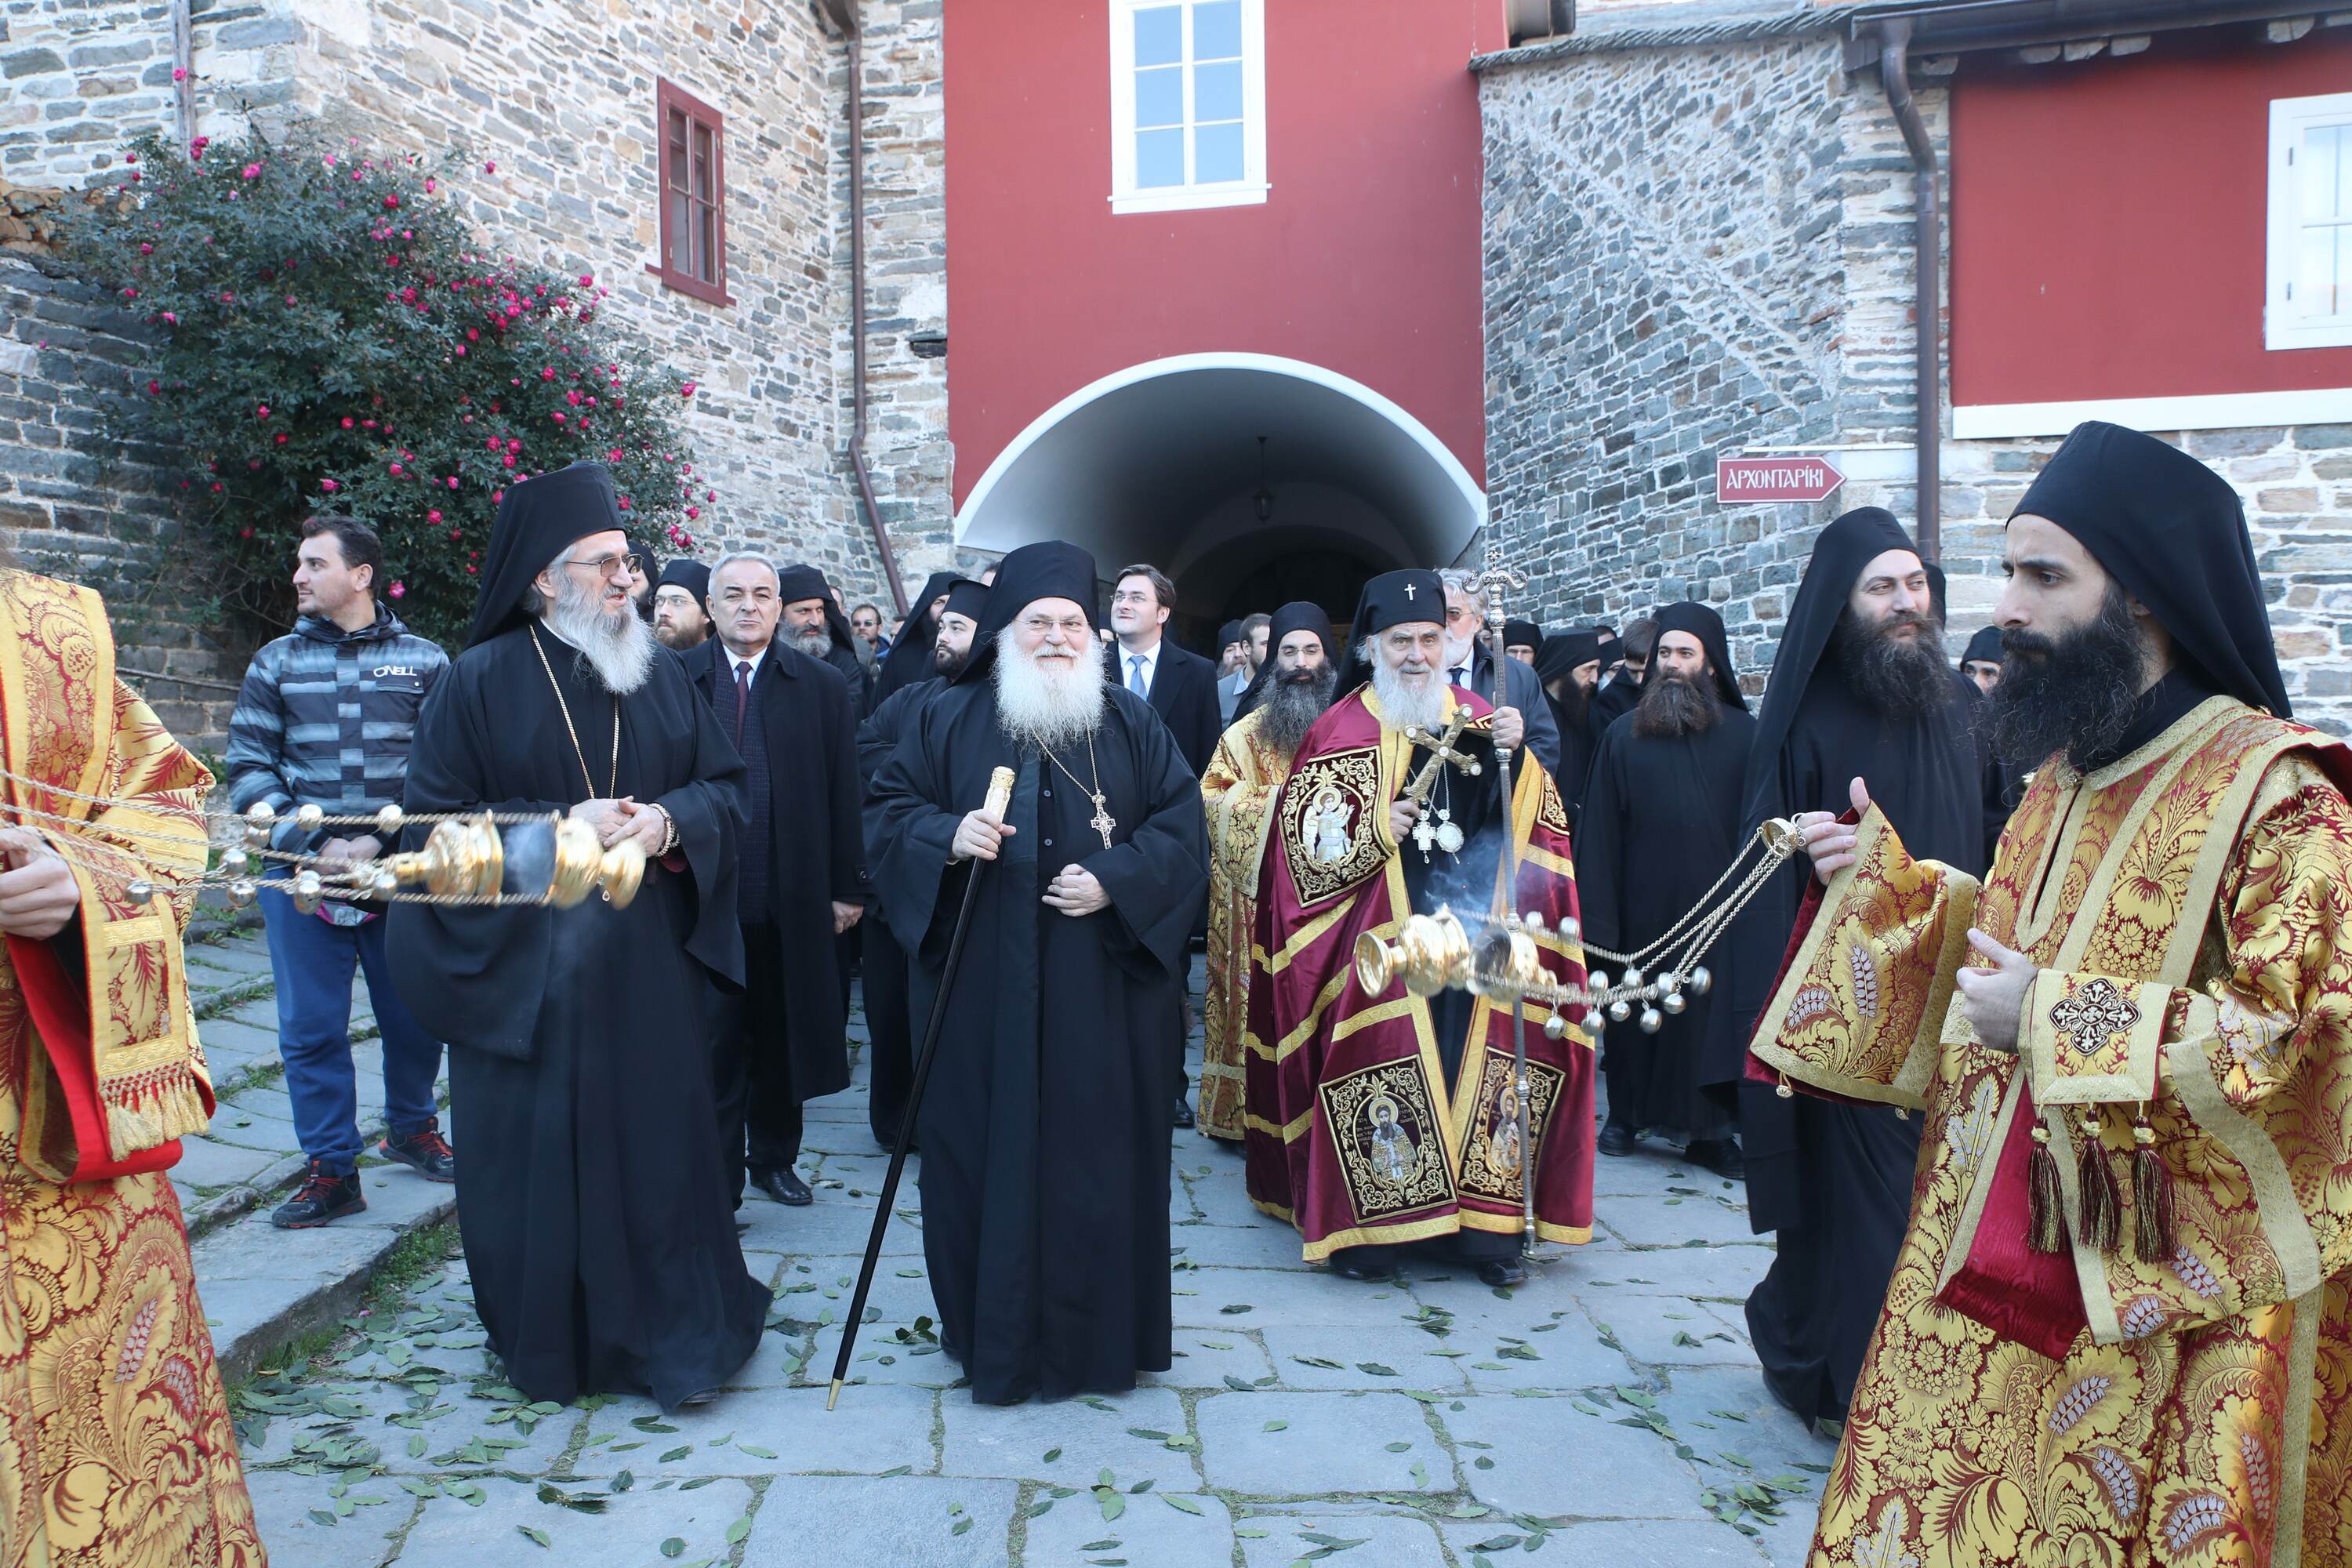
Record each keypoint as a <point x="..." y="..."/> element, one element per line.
<point x="72" y="508"/>
<point x="560" y="100"/>
<point x="1664" y="279"/>
<point x="1692" y="250"/>
<point x="902" y="106"/>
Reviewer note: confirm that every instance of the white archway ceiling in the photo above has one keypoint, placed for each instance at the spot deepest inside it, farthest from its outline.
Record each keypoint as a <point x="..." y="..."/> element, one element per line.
<point x="1160" y="463"/>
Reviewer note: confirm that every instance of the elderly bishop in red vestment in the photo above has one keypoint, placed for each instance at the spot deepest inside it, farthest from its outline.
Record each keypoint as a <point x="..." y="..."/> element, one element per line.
<point x="1380" y="1119"/>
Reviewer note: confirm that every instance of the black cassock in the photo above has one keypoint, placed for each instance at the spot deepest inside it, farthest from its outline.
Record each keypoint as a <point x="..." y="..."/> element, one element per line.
<point x="1660" y="823"/>
<point x="601" y="1244"/>
<point x="1835" y="1180"/>
<point x="1044" y="1125"/>
<point x="1579" y="743"/>
<point x="890" y="1026"/>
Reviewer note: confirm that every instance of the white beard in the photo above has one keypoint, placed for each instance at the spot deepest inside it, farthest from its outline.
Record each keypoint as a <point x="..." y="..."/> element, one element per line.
<point x="617" y="645"/>
<point x="1401" y="707"/>
<point x="816" y="642"/>
<point x="1056" y="701"/>
<point x="1457" y="654"/>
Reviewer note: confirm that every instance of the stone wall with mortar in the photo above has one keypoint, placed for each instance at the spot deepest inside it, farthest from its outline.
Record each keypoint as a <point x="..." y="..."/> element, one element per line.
<point x="72" y="507"/>
<point x="901" y="108"/>
<point x="561" y="101"/>
<point x="1691" y="251"/>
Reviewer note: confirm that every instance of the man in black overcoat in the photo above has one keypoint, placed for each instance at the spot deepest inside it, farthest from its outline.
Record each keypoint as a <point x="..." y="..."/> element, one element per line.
<point x="801" y="882"/>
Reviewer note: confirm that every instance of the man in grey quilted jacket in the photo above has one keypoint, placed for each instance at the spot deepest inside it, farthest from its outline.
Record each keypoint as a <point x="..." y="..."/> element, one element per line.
<point x="324" y="719"/>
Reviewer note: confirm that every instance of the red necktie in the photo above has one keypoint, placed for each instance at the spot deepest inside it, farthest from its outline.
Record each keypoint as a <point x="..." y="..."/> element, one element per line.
<point x="743" y="696"/>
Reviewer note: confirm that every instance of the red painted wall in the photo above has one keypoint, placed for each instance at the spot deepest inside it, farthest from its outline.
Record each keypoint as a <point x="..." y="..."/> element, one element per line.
<point x="1363" y="259"/>
<point x="2108" y="221"/>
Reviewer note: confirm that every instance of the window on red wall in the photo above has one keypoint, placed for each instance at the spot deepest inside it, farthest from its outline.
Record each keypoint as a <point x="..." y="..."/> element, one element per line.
<point x="692" y="137"/>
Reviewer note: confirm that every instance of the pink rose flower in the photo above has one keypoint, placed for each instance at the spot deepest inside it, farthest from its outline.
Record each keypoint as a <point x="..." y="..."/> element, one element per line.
<point x="330" y="485"/>
<point x="399" y="589"/>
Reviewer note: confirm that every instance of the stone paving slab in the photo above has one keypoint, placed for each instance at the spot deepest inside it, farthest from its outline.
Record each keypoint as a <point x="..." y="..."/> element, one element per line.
<point x="914" y="1521"/>
<point x="1320" y="1415"/>
<point x="262" y="1287"/>
<point x="1154" y="1531"/>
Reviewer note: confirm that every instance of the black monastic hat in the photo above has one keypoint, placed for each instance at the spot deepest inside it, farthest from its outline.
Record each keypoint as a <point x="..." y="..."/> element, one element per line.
<point x="539" y="519"/>
<point x="2172" y="531"/>
<point x="1050" y="569"/>
<point x="688" y="573"/>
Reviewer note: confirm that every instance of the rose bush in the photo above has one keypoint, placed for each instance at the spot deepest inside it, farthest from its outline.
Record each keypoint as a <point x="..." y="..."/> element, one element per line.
<point x="329" y="333"/>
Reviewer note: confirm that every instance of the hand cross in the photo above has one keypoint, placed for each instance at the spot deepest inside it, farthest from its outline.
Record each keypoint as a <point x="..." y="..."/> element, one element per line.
<point x="1492" y="580"/>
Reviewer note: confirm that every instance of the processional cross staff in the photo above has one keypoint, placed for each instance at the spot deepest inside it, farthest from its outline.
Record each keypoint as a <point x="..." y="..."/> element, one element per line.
<point x="1491" y="584"/>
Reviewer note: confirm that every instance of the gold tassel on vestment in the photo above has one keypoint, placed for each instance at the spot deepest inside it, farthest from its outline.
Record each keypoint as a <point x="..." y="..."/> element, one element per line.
<point x="2102" y="1204"/>
<point x="2153" y="1234"/>
<point x="2045" y="1201"/>
<point x="150" y="1114"/>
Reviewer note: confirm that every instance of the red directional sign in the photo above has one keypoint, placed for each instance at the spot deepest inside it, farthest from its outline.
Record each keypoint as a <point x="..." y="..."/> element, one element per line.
<point x="1798" y="477"/>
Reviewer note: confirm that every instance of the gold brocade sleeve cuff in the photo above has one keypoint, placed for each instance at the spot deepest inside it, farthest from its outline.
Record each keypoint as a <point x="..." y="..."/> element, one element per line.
<point x="2088" y="1039"/>
<point x="1860" y="1010"/>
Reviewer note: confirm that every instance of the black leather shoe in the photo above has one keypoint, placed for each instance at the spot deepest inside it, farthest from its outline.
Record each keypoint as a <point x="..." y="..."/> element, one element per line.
<point x="1502" y="1272"/>
<point x="1721" y="1155"/>
<point x="325" y="1197"/>
<point x="1373" y="1270"/>
<point x="1183" y="1113"/>
<point x="785" y="1186"/>
<point x="1617" y="1139"/>
<point x="426" y="1151"/>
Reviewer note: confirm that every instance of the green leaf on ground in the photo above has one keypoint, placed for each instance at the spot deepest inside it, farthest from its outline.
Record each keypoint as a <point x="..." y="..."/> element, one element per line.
<point x="673" y="1546"/>
<point x="536" y="1537"/>
<point x="1181" y="1504"/>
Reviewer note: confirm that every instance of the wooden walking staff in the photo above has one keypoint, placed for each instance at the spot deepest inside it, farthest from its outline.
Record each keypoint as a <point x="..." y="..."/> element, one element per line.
<point x="1000" y="795"/>
<point x="1491" y="583"/>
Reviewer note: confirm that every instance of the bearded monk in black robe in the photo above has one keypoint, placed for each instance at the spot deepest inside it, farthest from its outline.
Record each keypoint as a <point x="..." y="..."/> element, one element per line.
<point x="1661" y="822"/>
<point x="1860" y="688"/>
<point x="599" y="1238"/>
<point x="945" y="644"/>
<point x="1044" y="1125"/>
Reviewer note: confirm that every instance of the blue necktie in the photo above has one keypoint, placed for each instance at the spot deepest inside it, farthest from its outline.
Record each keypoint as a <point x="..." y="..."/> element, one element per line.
<point x="1135" y="675"/>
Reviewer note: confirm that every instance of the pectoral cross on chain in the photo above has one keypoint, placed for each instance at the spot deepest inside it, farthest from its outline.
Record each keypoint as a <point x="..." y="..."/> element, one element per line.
<point x="1101" y="821"/>
<point x="1425" y="833"/>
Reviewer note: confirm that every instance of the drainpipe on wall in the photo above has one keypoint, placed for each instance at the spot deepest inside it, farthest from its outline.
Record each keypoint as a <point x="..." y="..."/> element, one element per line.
<point x="1894" y="75"/>
<point x="843" y="16"/>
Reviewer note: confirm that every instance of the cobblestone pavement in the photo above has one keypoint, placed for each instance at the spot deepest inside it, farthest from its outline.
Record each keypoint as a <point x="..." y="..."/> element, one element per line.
<point x="260" y="1284"/>
<point x="1607" y="1412"/>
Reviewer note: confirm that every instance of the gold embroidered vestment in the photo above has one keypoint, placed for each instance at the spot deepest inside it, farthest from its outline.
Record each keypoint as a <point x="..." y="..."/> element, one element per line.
<point x="2189" y="908"/>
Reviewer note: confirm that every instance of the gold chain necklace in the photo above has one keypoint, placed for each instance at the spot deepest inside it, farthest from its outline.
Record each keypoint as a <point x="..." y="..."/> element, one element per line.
<point x="1102" y="821"/>
<point x="586" y="778"/>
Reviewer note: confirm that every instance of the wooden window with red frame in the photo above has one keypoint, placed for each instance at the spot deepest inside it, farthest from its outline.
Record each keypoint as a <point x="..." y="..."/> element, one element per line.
<point x="693" y="166"/>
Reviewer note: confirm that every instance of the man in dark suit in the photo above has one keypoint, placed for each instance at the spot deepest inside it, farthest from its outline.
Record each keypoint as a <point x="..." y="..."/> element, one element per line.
<point x="1182" y="688"/>
<point x="801" y="882"/>
<point x="1470" y="665"/>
